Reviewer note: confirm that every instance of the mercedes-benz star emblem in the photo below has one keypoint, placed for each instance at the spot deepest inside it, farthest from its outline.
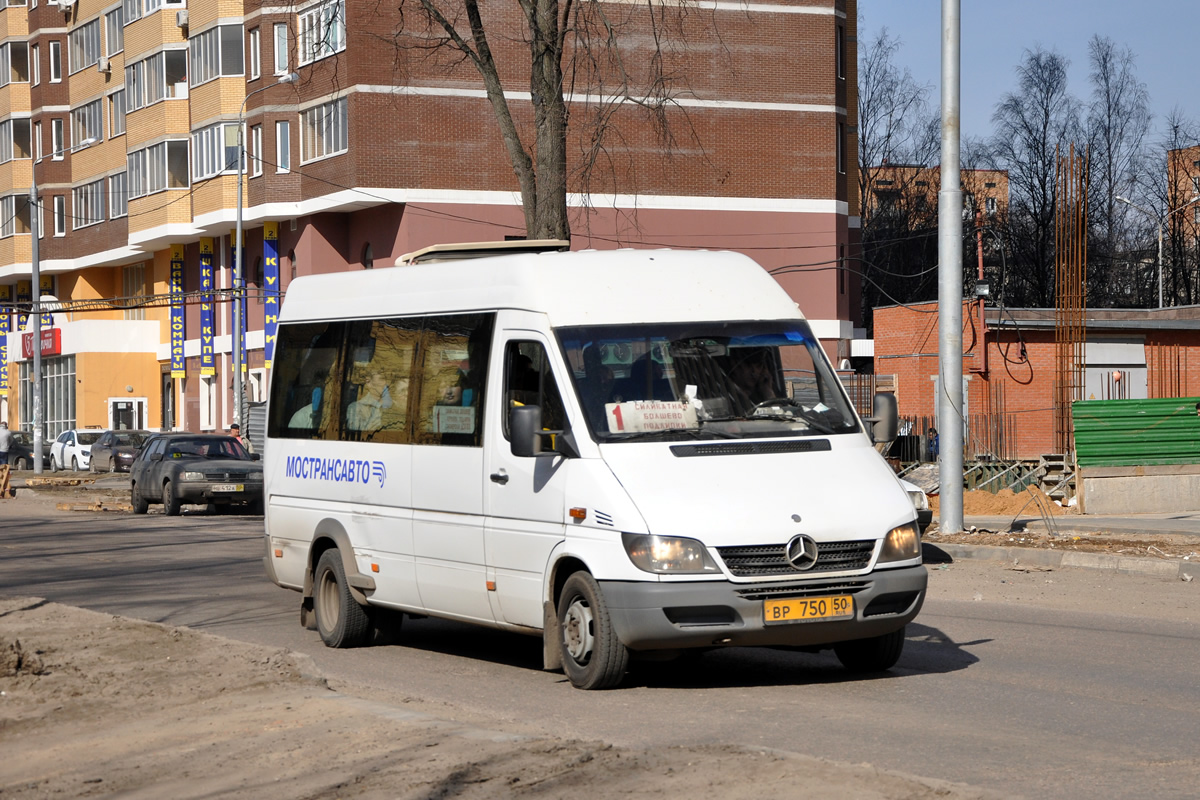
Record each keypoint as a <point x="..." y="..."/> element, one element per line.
<point x="801" y="552"/>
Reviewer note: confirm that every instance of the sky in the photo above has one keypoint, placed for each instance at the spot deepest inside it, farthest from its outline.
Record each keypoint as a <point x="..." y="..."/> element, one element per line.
<point x="1163" y="36"/>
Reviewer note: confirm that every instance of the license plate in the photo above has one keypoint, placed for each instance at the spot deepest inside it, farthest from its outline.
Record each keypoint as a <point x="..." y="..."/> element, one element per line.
<point x="229" y="487"/>
<point x="808" y="609"/>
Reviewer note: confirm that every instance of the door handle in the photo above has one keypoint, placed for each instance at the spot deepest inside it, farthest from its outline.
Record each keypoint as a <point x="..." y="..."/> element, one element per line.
<point x="500" y="477"/>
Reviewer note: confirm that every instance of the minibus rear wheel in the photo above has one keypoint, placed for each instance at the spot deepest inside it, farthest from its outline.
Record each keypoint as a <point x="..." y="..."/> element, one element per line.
<point x="341" y="621"/>
<point x="877" y="654"/>
<point x="592" y="655"/>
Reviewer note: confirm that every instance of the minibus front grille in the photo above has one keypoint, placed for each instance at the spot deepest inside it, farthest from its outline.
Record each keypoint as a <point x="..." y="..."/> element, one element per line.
<point x="744" y="448"/>
<point x="757" y="561"/>
<point x="807" y="590"/>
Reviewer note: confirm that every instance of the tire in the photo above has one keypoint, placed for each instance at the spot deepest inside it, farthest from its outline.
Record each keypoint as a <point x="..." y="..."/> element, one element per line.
<point x="877" y="654"/>
<point x="592" y="655"/>
<point x="53" y="464"/>
<point x="140" y="505"/>
<point x="255" y="508"/>
<point x="171" y="504"/>
<point x="22" y="464"/>
<point x="74" y="464"/>
<point x="341" y="621"/>
<point x="112" y="464"/>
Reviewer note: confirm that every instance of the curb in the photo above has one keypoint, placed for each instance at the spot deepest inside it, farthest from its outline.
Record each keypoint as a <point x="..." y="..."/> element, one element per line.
<point x="949" y="553"/>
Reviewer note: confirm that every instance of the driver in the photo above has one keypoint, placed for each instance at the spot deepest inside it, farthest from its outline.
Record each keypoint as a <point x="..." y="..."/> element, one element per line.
<point x="752" y="378"/>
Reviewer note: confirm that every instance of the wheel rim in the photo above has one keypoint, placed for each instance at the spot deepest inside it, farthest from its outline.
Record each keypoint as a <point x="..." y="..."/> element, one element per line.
<point x="577" y="631"/>
<point x="328" y="603"/>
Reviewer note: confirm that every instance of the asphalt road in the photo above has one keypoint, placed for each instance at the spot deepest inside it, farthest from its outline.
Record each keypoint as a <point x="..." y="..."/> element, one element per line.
<point x="1062" y="685"/>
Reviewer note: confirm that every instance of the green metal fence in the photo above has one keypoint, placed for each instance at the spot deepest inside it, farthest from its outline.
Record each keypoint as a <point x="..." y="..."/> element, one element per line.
<point x="1118" y="433"/>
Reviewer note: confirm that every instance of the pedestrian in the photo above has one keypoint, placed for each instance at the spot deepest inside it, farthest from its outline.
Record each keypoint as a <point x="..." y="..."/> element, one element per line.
<point x="934" y="445"/>
<point x="6" y="443"/>
<point x="235" y="431"/>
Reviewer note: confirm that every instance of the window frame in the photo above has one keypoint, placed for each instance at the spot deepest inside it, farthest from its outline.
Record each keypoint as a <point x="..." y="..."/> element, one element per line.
<point x="60" y="215"/>
<point x="313" y="134"/>
<point x="254" y="36"/>
<point x="55" y="61"/>
<point x="283" y="146"/>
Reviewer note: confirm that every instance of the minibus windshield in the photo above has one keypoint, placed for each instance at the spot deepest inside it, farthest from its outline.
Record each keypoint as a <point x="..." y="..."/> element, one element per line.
<point x="704" y="380"/>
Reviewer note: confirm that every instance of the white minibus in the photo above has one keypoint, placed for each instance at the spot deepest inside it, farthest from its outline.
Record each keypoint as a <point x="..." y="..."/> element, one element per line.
<point x="630" y="453"/>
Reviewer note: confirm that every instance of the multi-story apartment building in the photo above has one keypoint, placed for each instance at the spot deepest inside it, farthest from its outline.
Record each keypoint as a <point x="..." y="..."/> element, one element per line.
<point x="126" y="115"/>
<point x="913" y="189"/>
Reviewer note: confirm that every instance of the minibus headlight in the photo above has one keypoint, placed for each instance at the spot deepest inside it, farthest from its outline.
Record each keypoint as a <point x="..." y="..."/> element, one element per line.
<point x="667" y="554"/>
<point x="901" y="544"/>
<point x="193" y="476"/>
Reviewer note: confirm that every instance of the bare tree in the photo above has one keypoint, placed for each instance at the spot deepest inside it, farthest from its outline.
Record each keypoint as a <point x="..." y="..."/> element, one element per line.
<point x="1166" y="187"/>
<point x="1118" y="122"/>
<point x="898" y="139"/>
<point x="577" y="49"/>
<point x="1032" y="123"/>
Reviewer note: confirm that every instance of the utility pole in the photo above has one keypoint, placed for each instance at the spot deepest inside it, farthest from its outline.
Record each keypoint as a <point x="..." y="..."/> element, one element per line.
<point x="950" y="280"/>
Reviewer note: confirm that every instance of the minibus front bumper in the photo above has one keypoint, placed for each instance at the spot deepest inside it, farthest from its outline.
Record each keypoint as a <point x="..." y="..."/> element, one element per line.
<point x="658" y="616"/>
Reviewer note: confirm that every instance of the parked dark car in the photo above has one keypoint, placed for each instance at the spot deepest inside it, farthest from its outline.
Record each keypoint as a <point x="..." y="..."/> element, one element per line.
<point x="195" y="468"/>
<point x="21" y="456"/>
<point x="115" y="450"/>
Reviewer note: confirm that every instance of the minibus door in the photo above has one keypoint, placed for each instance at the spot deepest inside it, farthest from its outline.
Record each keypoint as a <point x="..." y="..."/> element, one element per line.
<point x="524" y="496"/>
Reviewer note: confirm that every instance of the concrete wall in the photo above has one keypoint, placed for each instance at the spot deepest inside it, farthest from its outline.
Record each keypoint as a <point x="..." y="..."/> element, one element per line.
<point x="1139" y="490"/>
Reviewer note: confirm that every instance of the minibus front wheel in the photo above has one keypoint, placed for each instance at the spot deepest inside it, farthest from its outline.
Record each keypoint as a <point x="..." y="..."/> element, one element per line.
<point x="592" y="655"/>
<point x="341" y="621"/>
<point x="876" y="654"/>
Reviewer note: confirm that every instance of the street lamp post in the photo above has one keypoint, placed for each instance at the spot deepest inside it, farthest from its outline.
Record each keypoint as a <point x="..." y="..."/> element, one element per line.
<point x="239" y="294"/>
<point x="1161" y="221"/>
<point x="35" y="308"/>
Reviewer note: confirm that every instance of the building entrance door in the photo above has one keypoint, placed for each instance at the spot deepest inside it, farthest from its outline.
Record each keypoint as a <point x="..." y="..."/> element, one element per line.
<point x="126" y="414"/>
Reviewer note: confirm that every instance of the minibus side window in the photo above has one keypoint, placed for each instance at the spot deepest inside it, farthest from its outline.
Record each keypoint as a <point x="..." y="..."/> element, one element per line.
<point x="307" y="381"/>
<point x="375" y="394"/>
<point x="528" y="380"/>
<point x="453" y="362"/>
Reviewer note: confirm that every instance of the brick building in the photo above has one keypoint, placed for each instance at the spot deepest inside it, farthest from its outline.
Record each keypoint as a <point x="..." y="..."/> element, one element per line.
<point x="127" y="114"/>
<point x="1009" y="367"/>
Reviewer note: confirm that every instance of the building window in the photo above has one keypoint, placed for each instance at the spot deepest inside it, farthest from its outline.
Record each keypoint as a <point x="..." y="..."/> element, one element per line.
<point x="162" y="76"/>
<point x="87" y="204"/>
<point x="37" y="140"/>
<point x="60" y="215"/>
<point x="989" y="205"/>
<point x="841" y="148"/>
<point x="1195" y="186"/>
<point x="133" y="285"/>
<point x="14" y="139"/>
<point x="56" y="62"/>
<point x="58" y="392"/>
<point x="215" y="150"/>
<point x="157" y="168"/>
<point x="87" y="122"/>
<point x="989" y="185"/>
<point x="321" y="30"/>
<point x="116" y="113"/>
<point x="256" y="151"/>
<point x="14" y="63"/>
<point x="841" y="52"/>
<point x="281" y="49"/>
<point x="216" y="52"/>
<point x="132" y="10"/>
<point x="35" y="63"/>
<point x="85" y="45"/>
<point x="255" y="56"/>
<point x="114" y="32"/>
<point x="118" y="195"/>
<point x="56" y="139"/>
<point x="14" y="214"/>
<point x="283" y="146"/>
<point x="324" y="130"/>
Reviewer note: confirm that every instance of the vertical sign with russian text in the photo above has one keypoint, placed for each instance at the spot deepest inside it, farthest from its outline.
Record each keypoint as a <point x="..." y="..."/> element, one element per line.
<point x="239" y="294"/>
<point x="47" y="283"/>
<point x="178" y="320"/>
<point x="5" y="316"/>
<point x="208" y="365"/>
<point x="270" y="288"/>
<point x="24" y="295"/>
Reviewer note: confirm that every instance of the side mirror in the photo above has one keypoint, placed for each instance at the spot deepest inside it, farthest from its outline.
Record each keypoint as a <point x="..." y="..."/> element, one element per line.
<point x="885" y="419"/>
<point x="255" y="457"/>
<point x="525" y="428"/>
<point x="156" y="457"/>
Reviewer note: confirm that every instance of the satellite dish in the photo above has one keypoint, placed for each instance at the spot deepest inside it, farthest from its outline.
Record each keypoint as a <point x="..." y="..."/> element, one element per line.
<point x="66" y="4"/>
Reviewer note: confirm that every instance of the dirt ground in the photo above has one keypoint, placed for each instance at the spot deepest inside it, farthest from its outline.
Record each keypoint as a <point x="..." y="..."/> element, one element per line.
<point x="1034" y="503"/>
<point x="93" y="705"/>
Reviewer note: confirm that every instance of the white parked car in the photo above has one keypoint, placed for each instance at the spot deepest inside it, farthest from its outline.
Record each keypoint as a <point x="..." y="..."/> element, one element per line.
<point x="73" y="449"/>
